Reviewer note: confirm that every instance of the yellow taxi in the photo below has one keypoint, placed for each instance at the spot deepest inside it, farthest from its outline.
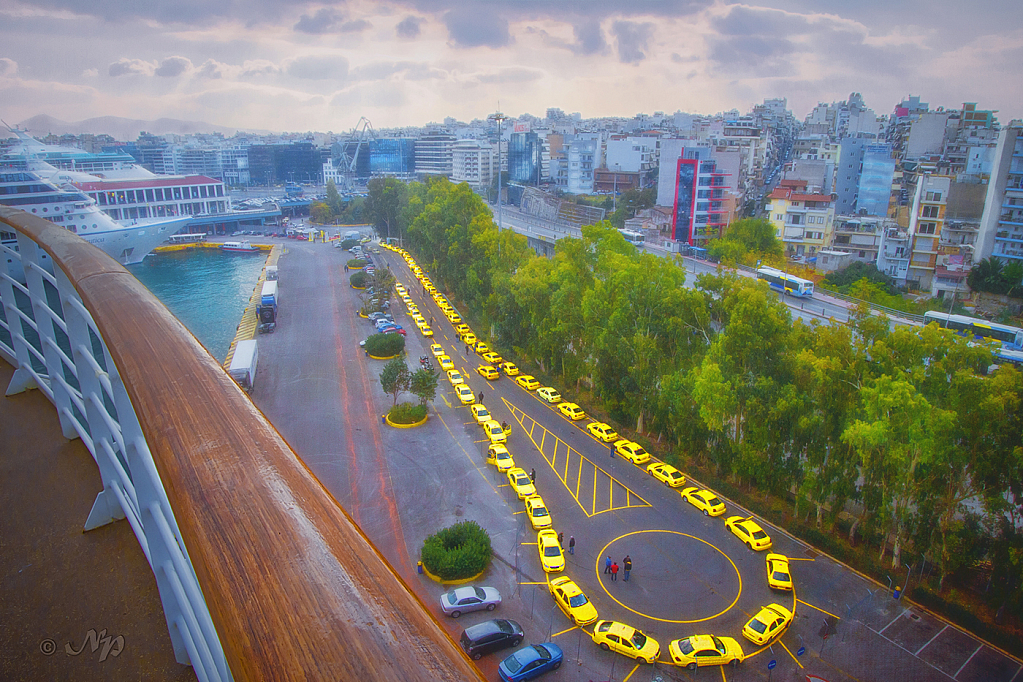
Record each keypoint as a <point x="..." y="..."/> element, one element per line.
<point x="437" y="350"/>
<point x="571" y="600"/>
<point x="666" y="474"/>
<point x="536" y="510"/>
<point x="446" y="363"/>
<point x="494" y="431"/>
<point x="454" y="317"/>
<point x="527" y="382"/>
<point x="455" y="377"/>
<point x="466" y="395"/>
<point x="480" y="414"/>
<point x="493" y="358"/>
<point x="602" y="431"/>
<point x="488" y="372"/>
<point x="552" y="558"/>
<point x="769" y="622"/>
<point x="704" y="500"/>
<point x="499" y="456"/>
<point x="749" y="531"/>
<point x="469" y="338"/>
<point x="462" y="329"/>
<point x="778" y="575"/>
<point x="520" y="483"/>
<point x="702" y="650"/>
<point x="509" y="369"/>
<point x="427" y="332"/>
<point x="631" y="451"/>
<point x="480" y="347"/>
<point x="572" y="411"/>
<point x="626" y="640"/>
<point x="549" y="394"/>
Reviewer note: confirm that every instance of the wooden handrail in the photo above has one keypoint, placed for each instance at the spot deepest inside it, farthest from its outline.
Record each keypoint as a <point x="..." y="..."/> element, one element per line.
<point x="295" y="589"/>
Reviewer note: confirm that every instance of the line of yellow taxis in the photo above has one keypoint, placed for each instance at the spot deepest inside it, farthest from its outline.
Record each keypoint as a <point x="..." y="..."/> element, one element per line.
<point x="691" y="652"/>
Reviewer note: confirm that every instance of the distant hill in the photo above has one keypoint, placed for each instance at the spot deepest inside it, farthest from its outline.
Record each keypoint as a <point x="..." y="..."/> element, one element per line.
<point x="122" y="129"/>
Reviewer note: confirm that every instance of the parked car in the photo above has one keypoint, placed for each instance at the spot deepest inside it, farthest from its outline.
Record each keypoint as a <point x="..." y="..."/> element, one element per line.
<point x="489" y="636"/>
<point x="531" y="661"/>
<point x="466" y="599"/>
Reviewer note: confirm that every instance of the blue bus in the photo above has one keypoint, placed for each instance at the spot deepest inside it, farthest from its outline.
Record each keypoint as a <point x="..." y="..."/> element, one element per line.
<point x="786" y="283"/>
<point x="1011" y="338"/>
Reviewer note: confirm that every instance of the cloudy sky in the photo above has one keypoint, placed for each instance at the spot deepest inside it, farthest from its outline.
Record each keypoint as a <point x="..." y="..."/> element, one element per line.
<point x="294" y="65"/>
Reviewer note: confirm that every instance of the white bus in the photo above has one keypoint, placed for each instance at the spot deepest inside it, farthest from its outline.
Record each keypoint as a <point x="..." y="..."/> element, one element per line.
<point x="1011" y="338"/>
<point x="632" y="237"/>
<point x="189" y="238"/>
<point x="786" y="283"/>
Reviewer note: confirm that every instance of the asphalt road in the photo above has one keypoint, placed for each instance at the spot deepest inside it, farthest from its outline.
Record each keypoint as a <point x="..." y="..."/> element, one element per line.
<point x="690" y="576"/>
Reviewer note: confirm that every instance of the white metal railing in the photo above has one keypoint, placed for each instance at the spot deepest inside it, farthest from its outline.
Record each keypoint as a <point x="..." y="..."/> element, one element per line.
<point x="50" y="338"/>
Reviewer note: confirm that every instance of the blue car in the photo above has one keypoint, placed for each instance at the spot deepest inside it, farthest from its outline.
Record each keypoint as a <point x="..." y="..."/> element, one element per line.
<point x="529" y="662"/>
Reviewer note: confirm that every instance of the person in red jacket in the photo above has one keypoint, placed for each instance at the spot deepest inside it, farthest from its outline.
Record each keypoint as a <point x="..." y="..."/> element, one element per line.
<point x="614" y="571"/>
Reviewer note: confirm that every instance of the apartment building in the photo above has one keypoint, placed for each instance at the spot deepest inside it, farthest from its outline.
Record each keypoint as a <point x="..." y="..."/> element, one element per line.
<point x="802" y="216"/>
<point x="473" y="162"/>
<point x="1001" y="226"/>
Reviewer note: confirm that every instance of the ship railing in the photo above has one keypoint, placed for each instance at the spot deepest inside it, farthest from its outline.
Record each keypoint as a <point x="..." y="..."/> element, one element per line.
<point x="261" y="574"/>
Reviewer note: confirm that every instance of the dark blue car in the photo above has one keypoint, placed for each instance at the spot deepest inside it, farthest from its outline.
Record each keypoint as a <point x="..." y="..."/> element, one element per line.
<point x="529" y="662"/>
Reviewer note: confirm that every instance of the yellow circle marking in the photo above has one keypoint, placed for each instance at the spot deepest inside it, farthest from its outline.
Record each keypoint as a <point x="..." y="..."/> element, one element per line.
<point x="668" y="620"/>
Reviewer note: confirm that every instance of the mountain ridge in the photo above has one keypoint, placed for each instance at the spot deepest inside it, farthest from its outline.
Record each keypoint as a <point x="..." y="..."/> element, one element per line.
<point x="123" y="129"/>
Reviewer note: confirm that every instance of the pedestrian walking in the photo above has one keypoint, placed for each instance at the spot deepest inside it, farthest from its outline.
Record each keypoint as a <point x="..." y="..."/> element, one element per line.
<point x="627" y="566"/>
<point x="607" y="565"/>
<point x="481" y="397"/>
<point x="431" y="320"/>
<point x="571" y="544"/>
<point x="561" y="540"/>
<point x="346" y="268"/>
<point x="532" y="475"/>
<point x="614" y="571"/>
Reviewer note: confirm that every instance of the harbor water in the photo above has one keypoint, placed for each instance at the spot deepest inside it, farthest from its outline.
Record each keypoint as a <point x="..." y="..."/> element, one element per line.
<point x="206" y="289"/>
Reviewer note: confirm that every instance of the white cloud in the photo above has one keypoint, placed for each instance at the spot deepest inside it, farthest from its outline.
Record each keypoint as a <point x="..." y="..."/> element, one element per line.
<point x="131" y="67"/>
<point x="8" y="67"/>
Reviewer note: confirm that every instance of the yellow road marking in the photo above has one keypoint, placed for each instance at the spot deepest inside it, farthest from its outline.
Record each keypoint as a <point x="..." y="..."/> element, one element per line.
<point x="551" y="459"/>
<point x="630" y="673"/>
<point x="532" y="544"/>
<point x="579" y="478"/>
<point x="722" y="669"/>
<point x="518" y="512"/>
<point x="535" y="583"/>
<point x="504" y="485"/>
<point x="819" y="609"/>
<point x="604" y="552"/>
<point x="574" y="627"/>
<point x="445" y="399"/>
<point x="790" y="653"/>
<point x="800" y="559"/>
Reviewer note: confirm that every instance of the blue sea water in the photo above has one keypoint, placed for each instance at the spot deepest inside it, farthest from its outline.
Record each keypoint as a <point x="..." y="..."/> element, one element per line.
<point x="206" y="289"/>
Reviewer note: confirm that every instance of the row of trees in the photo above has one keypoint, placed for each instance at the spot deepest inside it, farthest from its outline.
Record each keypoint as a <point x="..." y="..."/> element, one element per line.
<point x="904" y="421"/>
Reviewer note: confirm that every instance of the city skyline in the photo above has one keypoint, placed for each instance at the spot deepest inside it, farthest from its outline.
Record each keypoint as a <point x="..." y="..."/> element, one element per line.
<point x="320" y="66"/>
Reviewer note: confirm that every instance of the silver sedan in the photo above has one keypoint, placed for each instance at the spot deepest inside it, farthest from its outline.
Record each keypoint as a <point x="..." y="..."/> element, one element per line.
<point x="465" y="599"/>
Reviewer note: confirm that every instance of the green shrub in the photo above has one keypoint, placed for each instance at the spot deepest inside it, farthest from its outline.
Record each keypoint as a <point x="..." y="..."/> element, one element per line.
<point x="348" y="243"/>
<point x="357" y="263"/>
<point x="459" y="551"/>
<point x="385" y="345"/>
<point x="407" y="413"/>
<point x="359" y="279"/>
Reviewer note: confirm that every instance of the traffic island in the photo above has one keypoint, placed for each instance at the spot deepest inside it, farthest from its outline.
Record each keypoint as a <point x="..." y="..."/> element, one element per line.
<point x="457" y="554"/>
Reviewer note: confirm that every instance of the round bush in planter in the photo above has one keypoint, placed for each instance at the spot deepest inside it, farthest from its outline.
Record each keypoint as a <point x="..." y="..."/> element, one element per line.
<point x="457" y="552"/>
<point x="359" y="280"/>
<point x="349" y="243"/>
<point x="356" y="263"/>
<point x="407" y="413"/>
<point x="385" y="345"/>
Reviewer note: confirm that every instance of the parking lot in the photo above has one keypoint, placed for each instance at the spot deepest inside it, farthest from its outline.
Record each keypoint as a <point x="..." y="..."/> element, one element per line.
<point x="691" y="575"/>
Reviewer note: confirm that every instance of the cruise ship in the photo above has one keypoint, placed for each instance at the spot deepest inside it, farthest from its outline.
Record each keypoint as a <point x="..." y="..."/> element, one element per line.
<point x="33" y="189"/>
